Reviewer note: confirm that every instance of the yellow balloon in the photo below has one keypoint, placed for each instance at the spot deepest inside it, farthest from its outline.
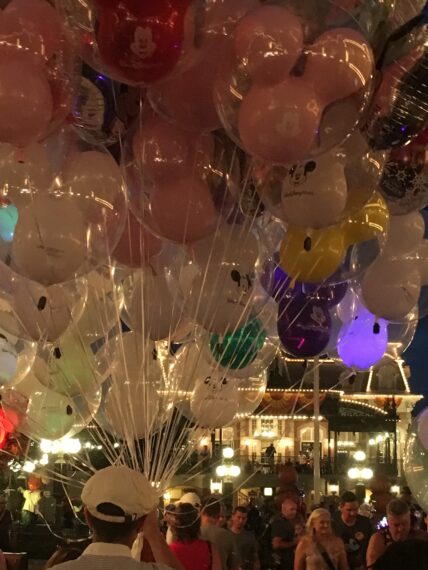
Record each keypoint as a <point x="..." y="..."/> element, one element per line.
<point x="371" y="221"/>
<point x="312" y="256"/>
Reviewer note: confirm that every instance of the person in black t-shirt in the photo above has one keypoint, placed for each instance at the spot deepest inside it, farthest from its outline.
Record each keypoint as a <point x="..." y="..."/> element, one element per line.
<point x="355" y="530"/>
<point x="283" y="535"/>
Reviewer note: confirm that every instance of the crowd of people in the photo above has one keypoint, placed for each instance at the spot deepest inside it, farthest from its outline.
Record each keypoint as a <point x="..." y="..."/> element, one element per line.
<point x="121" y="511"/>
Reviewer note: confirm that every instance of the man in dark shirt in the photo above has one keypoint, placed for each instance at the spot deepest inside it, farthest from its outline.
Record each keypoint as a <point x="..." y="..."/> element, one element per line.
<point x="283" y="535"/>
<point x="245" y="541"/>
<point x="354" y="529"/>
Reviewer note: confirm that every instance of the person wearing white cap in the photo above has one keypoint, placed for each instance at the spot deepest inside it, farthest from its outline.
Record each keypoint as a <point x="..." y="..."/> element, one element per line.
<point x="191" y="498"/>
<point x="119" y="503"/>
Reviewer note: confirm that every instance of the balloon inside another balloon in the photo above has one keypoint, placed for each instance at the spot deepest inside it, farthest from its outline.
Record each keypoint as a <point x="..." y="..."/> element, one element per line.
<point x="88" y="195"/>
<point x="399" y="110"/>
<point x="310" y="194"/>
<point x="103" y="108"/>
<point x="69" y="367"/>
<point x="43" y="413"/>
<point x="349" y="306"/>
<point x="404" y="183"/>
<point x="136" y="245"/>
<point x="415" y="463"/>
<point x="16" y="358"/>
<point x="303" y="326"/>
<point x="400" y="336"/>
<point x="132" y="409"/>
<point x="181" y="183"/>
<point x="187" y="366"/>
<point x="238" y="349"/>
<point x="45" y="312"/>
<point x="363" y="341"/>
<point x="250" y="393"/>
<point x="103" y="306"/>
<point x="134" y="43"/>
<point x="214" y="401"/>
<point x="154" y="308"/>
<point x="391" y="288"/>
<point x="85" y="408"/>
<point x="273" y="115"/>
<point x="37" y="72"/>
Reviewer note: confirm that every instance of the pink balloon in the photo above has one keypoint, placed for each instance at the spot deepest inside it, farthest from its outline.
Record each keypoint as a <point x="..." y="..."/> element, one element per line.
<point x="136" y="245"/>
<point x="270" y="40"/>
<point x="25" y="99"/>
<point x="163" y="150"/>
<point x="187" y="99"/>
<point x="35" y="23"/>
<point x="279" y="124"/>
<point x="183" y="210"/>
<point x="339" y="63"/>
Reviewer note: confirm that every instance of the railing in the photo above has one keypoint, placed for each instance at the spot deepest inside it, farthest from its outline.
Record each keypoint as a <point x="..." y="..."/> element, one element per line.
<point x="268" y="465"/>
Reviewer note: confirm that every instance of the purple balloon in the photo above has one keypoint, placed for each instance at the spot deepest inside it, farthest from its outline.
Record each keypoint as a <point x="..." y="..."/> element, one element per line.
<point x="331" y="295"/>
<point x="276" y="282"/>
<point x="304" y="326"/>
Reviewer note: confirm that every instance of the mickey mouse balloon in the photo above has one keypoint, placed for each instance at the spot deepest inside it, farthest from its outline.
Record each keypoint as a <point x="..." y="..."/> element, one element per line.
<point x="138" y="43"/>
<point x="215" y="401"/>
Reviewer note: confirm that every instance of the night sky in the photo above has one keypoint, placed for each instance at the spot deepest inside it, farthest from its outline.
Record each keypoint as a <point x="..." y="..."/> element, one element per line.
<point x="416" y="356"/>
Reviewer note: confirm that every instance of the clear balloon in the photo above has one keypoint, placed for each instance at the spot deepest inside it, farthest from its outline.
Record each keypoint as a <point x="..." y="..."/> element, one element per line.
<point x="404" y="183"/>
<point x="45" y="414"/>
<point x="103" y="108"/>
<point x="303" y="326"/>
<point x="250" y="393"/>
<point x="363" y="341"/>
<point x="86" y="193"/>
<point x="16" y="358"/>
<point x="214" y="401"/>
<point x="272" y="106"/>
<point x="69" y="367"/>
<point x="134" y="43"/>
<point x="415" y="461"/>
<point x="181" y="183"/>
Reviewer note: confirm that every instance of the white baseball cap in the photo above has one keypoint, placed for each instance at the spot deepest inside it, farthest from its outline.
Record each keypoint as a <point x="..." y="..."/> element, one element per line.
<point x="123" y="487"/>
<point x="191" y="498"/>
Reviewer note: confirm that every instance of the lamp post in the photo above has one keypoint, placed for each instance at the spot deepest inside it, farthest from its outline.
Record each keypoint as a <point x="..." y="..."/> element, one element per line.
<point x="360" y="475"/>
<point x="227" y="472"/>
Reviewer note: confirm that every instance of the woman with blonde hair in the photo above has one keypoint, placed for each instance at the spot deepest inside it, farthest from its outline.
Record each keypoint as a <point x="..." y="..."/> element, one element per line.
<point x="319" y="548"/>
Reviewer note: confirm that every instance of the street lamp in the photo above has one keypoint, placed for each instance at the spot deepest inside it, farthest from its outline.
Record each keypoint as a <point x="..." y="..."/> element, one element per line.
<point x="363" y="474"/>
<point x="228" y="453"/>
<point x="360" y="455"/>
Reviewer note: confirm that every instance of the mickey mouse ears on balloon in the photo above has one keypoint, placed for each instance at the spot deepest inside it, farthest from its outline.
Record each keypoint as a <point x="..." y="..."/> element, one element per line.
<point x="311" y="256"/>
<point x="138" y="43"/>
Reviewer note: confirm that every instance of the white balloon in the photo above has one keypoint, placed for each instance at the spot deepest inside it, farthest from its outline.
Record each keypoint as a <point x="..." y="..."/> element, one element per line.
<point x="47" y="312"/>
<point x="391" y="288"/>
<point x="214" y="402"/>
<point x="222" y="298"/>
<point x="187" y="366"/>
<point x="50" y="241"/>
<point x="154" y="309"/>
<point x="46" y="414"/>
<point x="24" y="172"/>
<point x="132" y="408"/>
<point x="405" y="234"/>
<point x="69" y="366"/>
<point x="314" y="192"/>
<point x="102" y="309"/>
<point x="16" y="358"/>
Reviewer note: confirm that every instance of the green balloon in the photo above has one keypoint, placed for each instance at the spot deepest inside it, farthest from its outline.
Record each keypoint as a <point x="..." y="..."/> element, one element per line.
<point x="238" y="349"/>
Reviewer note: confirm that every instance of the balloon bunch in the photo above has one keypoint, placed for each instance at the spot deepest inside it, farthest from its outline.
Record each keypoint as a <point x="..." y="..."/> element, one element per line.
<point x="190" y="189"/>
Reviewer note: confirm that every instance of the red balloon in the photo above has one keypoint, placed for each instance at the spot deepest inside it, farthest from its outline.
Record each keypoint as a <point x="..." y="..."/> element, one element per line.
<point x="142" y="41"/>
